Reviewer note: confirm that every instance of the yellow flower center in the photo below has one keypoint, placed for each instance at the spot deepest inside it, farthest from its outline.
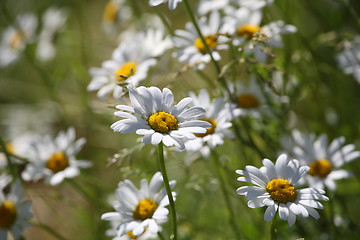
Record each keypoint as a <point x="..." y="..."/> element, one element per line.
<point x="247" y="30"/>
<point x="209" y="130"/>
<point x="320" y="168"/>
<point x="145" y="209"/>
<point x="110" y="11"/>
<point x="248" y="101"/>
<point x="57" y="162"/>
<point x="126" y="70"/>
<point x="131" y="235"/>
<point x="7" y="214"/>
<point x="210" y="40"/>
<point x="10" y="148"/>
<point x="16" y="40"/>
<point x="281" y="190"/>
<point x="162" y="122"/>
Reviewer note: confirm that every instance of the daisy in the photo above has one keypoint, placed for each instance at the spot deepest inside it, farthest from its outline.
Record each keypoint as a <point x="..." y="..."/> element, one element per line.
<point x="349" y="58"/>
<point x="139" y="211"/>
<point x="172" y="3"/>
<point x="254" y="4"/>
<point x="219" y="114"/>
<point x="154" y="116"/>
<point x="14" y="212"/>
<point x="249" y="97"/>
<point x="129" y="65"/>
<point x="115" y="11"/>
<point x="54" y="159"/>
<point x="191" y="47"/>
<point x="206" y="6"/>
<point x="15" y="40"/>
<point x="325" y="159"/>
<point x="276" y="188"/>
<point x="52" y="22"/>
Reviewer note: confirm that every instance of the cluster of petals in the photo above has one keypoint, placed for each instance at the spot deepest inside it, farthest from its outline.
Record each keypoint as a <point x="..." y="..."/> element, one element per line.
<point x="172" y="3"/>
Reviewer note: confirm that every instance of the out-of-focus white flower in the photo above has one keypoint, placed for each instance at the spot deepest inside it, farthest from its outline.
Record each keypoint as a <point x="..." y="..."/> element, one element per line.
<point x="276" y="188"/>
<point x="130" y="64"/>
<point x="172" y="3"/>
<point x="349" y="59"/>
<point x="154" y="116"/>
<point x="15" y="38"/>
<point x="14" y="211"/>
<point x="206" y="6"/>
<point x="115" y="11"/>
<point x="219" y="114"/>
<point x="325" y="160"/>
<point x="139" y="212"/>
<point x="53" y="20"/>
<point x="54" y="159"/>
<point x="190" y="46"/>
<point x="254" y="4"/>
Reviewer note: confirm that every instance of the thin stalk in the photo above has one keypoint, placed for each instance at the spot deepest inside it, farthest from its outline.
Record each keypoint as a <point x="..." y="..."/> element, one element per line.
<point x="353" y="12"/>
<point x="232" y="221"/>
<point x="168" y="191"/>
<point x="273" y="229"/>
<point x="161" y="236"/>
<point x="10" y="164"/>
<point x="164" y="21"/>
<point x="48" y="229"/>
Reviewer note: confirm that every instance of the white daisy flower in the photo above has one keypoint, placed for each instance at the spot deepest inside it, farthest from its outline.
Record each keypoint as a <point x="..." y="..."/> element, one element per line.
<point x="115" y="11"/>
<point x="139" y="210"/>
<point x="15" y="40"/>
<point x="206" y="6"/>
<point x="54" y="159"/>
<point x="249" y="97"/>
<point x="172" y="3"/>
<point x="254" y="4"/>
<point x="154" y="116"/>
<point x="52" y="22"/>
<point x="349" y="58"/>
<point x="276" y="188"/>
<point x="129" y="65"/>
<point x="14" y="211"/>
<point x="218" y="114"/>
<point x="191" y="47"/>
<point x="325" y="159"/>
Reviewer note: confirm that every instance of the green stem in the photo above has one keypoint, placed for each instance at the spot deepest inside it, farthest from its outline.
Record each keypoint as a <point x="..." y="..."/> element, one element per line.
<point x="161" y="236"/>
<point x="164" y="21"/>
<point x="353" y="12"/>
<point x="232" y="221"/>
<point x="10" y="164"/>
<point x="273" y="229"/>
<point x="48" y="230"/>
<point x="168" y="191"/>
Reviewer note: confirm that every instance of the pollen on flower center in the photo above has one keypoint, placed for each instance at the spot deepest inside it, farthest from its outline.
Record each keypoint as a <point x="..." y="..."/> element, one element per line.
<point x="210" y="40"/>
<point x="248" y="101"/>
<point x="247" y="30"/>
<point x="57" y="162"/>
<point x="110" y="11"/>
<point x="126" y="70"/>
<point x="209" y="130"/>
<point x="162" y="122"/>
<point x="281" y="190"/>
<point x="7" y="214"/>
<point x="145" y="209"/>
<point x="320" y="168"/>
<point x="16" y="40"/>
<point x="10" y="148"/>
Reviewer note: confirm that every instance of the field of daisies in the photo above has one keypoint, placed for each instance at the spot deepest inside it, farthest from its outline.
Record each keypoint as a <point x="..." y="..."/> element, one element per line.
<point x="179" y="119"/>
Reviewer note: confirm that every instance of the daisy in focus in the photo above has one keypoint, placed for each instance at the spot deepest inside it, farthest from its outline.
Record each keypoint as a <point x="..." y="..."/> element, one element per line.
<point x="349" y="59"/>
<point x="129" y="65"/>
<point x="139" y="212"/>
<point x="14" y="40"/>
<point x="54" y="159"/>
<point x="172" y="3"/>
<point x="14" y="211"/>
<point x="325" y="159"/>
<point x="191" y="48"/>
<point x="52" y="22"/>
<point x="219" y="114"/>
<point x="154" y="116"/>
<point x="276" y="188"/>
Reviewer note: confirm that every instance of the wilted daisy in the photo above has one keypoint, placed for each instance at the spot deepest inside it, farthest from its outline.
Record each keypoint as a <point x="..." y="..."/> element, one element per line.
<point x="14" y="40"/>
<point x="52" y="21"/>
<point x="191" y="48"/>
<point x="218" y="113"/>
<point x="349" y="58"/>
<point x="54" y="159"/>
<point x="14" y="212"/>
<point x="325" y="159"/>
<point x="139" y="211"/>
<point x="276" y="188"/>
<point x="154" y="116"/>
<point x="129" y="65"/>
<point x="172" y="3"/>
